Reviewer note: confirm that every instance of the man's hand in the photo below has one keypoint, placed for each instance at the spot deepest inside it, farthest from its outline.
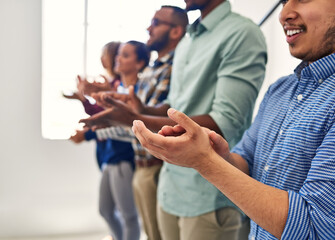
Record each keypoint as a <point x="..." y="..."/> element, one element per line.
<point x="75" y="95"/>
<point x="186" y="144"/>
<point x="87" y="88"/>
<point x="119" y="114"/>
<point x="107" y="99"/>
<point x="218" y="143"/>
<point x="100" y="98"/>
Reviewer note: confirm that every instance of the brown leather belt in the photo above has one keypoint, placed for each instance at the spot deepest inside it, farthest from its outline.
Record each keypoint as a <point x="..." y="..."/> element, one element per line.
<point x="148" y="162"/>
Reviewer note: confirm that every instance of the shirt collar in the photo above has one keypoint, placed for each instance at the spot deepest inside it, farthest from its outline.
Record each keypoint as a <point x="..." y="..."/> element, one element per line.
<point x="324" y="67"/>
<point x="165" y="59"/>
<point x="319" y="70"/>
<point x="211" y="20"/>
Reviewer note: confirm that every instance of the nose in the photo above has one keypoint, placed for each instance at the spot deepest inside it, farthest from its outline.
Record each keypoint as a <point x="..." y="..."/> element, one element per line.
<point x="149" y="28"/>
<point x="289" y="12"/>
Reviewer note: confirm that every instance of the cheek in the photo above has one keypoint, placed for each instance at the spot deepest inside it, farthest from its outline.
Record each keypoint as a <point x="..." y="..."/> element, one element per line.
<point x="315" y="21"/>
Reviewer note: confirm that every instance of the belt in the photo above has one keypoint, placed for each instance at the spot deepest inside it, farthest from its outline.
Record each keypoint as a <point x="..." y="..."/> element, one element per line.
<point x="148" y="162"/>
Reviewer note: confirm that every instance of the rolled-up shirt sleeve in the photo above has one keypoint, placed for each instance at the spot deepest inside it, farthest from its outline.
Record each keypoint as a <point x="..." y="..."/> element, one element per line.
<point x="240" y="76"/>
<point x="311" y="215"/>
<point x="312" y="210"/>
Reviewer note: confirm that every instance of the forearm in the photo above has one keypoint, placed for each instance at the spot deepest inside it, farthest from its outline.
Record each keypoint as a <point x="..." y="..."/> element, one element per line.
<point x="238" y="162"/>
<point x="265" y="205"/>
<point x="158" y="110"/>
<point x="155" y="123"/>
<point x="208" y="122"/>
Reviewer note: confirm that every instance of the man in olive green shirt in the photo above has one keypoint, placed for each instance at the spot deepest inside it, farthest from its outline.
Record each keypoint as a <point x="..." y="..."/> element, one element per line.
<point x="218" y="69"/>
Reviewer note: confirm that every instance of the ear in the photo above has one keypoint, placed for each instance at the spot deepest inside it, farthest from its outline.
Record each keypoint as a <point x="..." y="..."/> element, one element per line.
<point x="176" y="33"/>
<point x="140" y="65"/>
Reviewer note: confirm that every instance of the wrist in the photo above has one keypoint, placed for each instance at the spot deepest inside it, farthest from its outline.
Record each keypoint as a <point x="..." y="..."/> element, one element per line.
<point x="206" y="163"/>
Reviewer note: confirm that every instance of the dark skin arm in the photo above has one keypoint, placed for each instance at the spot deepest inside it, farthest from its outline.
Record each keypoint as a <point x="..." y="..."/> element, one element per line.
<point x="123" y="114"/>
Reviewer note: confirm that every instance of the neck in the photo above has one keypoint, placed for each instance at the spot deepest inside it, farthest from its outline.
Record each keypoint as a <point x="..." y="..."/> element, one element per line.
<point x="129" y="79"/>
<point x="167" y="49"/>
<point x="210" y="7"/>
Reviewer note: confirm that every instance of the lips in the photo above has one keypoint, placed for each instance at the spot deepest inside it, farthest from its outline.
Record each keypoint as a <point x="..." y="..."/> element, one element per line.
<point x="293" y="34"/>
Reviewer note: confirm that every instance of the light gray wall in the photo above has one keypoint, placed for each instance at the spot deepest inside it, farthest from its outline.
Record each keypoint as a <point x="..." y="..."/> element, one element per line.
<point x="46" y="187"/>
<point x="50" y="187"/>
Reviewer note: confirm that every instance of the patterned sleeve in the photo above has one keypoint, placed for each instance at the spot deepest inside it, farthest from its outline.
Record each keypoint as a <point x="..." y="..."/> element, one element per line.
<point x="162" y="89"/>
<point x="119" y="133"/>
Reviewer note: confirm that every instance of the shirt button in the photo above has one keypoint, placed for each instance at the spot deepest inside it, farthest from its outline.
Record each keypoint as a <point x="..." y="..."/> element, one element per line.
<point x="320" y="81"/>
<point x="266" y="167"/>
<point x="300" y="97"/>
<point x="252" y="238"/>
<point x="281" y="132"/>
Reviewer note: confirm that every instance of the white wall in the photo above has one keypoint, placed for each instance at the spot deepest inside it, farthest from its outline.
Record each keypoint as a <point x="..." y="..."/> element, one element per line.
<point x="46" y="187"/>
<point x="50" y="187"/>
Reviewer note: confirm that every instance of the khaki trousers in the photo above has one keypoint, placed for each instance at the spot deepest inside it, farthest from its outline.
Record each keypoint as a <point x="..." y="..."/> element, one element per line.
<point x="222" y="224"/>
<point x="145" y="193"/>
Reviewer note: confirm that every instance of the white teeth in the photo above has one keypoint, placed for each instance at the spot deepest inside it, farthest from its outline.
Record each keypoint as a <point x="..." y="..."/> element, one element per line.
<point x="292" y="32"/>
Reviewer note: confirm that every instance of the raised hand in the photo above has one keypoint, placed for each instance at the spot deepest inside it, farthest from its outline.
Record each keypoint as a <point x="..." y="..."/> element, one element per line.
<point x="101" y="97"/>
<point x="79" y="136"/>
<point x="134" y="102"/>
<point x="100" y="86"/>
<point x="107" y="99"/>
<point x="75" y="95"/>
<point x="186" y="144"/>
<point x="102" y="119"/>
<point x="118" y="114"/>
<point x="87" y="88"/>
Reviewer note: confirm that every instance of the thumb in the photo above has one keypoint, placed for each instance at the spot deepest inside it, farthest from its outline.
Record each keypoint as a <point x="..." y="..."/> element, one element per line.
<point x="104" y="77"/>
<point x="216" y="139"/>
<point x="79" y="79"/>
<point x="183" y="120"/>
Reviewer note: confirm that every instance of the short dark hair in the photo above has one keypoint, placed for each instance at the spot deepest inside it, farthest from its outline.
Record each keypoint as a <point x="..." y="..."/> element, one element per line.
<point x="142" y="52"/>
<point x="179" y="15"/>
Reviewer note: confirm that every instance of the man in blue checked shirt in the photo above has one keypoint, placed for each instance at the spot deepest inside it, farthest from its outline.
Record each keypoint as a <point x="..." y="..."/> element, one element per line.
<point x="282" y="172"/>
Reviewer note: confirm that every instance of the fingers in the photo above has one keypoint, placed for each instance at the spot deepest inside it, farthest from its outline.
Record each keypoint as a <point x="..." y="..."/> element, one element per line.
<point x="216" y="138"/>
<point x="145" y="136"/>
<point x="113" y="102"/>
<point x="104" y="77"/>
<point x="99" y="120"/>
<point x="154" y="143"/>
<point x="183" y="121"/>
<point x="171" y="131"/>
<point x="87" y="121"/>
<point x="80" y="79"/>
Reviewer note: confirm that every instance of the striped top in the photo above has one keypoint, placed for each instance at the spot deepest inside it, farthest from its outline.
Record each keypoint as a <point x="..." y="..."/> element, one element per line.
<point x="291" y="146"/>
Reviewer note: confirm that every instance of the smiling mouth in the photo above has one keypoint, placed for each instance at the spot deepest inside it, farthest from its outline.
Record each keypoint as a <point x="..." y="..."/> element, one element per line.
<point x="291" y="33"/>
